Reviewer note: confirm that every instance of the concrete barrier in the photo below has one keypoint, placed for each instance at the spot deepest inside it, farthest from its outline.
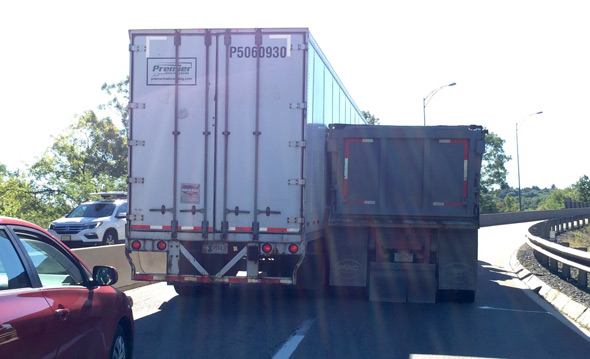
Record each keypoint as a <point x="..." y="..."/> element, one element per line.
<point x="494" y="219"/>
<point x="110" y="256"/>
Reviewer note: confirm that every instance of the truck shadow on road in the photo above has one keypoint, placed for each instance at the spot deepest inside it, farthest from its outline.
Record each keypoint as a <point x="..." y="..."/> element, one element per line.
<point x="255" y="321"/>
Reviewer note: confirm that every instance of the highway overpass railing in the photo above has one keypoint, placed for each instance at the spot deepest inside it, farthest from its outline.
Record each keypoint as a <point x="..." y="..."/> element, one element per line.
<point x="571" y="264"/>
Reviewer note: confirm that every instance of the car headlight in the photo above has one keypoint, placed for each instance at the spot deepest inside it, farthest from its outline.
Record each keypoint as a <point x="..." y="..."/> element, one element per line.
<point x="92" y="225"/>
<point x="52" y="226"/>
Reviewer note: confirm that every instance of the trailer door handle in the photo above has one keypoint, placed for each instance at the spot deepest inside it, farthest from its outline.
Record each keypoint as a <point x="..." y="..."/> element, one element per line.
<point x="268" y="212"/>
<point x="162" y="209"/>
<point x="236" y="211"/>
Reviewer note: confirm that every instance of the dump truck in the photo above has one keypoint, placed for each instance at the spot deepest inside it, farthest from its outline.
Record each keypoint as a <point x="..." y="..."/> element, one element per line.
<point x="404" y="210"/>
<point x="249" y="162"/>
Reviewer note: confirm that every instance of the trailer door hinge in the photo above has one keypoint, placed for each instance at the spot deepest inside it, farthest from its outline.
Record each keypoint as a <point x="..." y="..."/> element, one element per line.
<point x="135" y="143"/>
<point x="298" y="105"/>
<point x="295" y="47"/>
<point x="297" y="182"/>
<point x="136" y="105"/>
<point x="134" y="179"/>
<point x="137" y="48"/>
<point x="299" y="220"/>
<point x="135" y="217"/>
<point x="297" y="143"/>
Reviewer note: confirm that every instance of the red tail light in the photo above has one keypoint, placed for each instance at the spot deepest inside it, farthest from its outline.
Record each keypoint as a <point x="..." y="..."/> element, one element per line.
<point x="136" y="245"/>
<point x="266" y="248"/>
<point x="161" y="245"/>
<point x="293" y="248"/>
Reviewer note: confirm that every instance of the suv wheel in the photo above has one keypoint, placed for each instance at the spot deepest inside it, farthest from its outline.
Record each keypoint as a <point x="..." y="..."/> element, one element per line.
<point x="110" y="237"/>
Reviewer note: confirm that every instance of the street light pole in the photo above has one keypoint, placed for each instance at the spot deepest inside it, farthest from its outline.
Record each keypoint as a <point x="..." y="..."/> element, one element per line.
<point x="518" y="158"/>
<point x="426" y="100"/>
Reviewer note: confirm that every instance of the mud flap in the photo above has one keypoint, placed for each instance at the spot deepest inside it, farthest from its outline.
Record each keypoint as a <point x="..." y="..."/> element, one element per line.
<point x="348" y="248"/>
<point x="402" y="282"/>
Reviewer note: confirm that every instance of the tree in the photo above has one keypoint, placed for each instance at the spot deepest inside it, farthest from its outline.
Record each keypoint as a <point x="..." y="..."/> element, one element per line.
<point x="91" y="156"/>
<point x="510" y="204"/>
<point x="582" y="189"/>
<point x="19" y="199"/>
<point x="371" y="119"/>
<point x="556" y="199"/>
<point x="118" y="101"/>
<point x="493" y="172"/>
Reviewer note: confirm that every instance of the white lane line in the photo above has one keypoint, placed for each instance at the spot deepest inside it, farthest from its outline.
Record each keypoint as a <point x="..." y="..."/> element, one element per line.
<point x="514" y="310"/>
<point x="293" y="342"/>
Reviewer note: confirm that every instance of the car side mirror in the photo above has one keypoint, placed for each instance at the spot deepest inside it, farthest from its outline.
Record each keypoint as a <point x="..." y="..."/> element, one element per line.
<point x="122" y="215"/>
<point x="104" y="275"/>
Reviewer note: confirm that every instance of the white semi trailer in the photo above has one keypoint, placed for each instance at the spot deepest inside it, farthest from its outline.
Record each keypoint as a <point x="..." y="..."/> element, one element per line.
<point x="227" y="162"/>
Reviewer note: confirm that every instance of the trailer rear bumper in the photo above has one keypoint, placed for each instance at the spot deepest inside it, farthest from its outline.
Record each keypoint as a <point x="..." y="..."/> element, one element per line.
<point x="188" y="279"/>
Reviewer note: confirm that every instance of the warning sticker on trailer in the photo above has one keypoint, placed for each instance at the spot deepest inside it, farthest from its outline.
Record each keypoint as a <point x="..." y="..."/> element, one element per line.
<point x="163" y="71"/>
<point x="190" y="193"/>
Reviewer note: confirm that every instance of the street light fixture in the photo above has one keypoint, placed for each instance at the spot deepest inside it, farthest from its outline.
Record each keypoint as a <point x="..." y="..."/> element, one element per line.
<point x="427" y="99"/>
<point x="518" y="159"/>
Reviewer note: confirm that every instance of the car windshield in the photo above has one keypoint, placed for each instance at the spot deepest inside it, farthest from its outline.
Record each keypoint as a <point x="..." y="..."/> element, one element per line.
<point x="94" y="210"/>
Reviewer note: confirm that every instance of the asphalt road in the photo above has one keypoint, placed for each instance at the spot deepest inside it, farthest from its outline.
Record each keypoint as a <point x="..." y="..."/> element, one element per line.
<point x="273" y="322"/>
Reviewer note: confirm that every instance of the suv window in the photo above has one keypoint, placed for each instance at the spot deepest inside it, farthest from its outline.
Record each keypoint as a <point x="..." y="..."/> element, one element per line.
<point x="12" y="271"/>
<point x="53" y="267"/>
<point x="122" y="209"/>
<point x="94" y="210"/>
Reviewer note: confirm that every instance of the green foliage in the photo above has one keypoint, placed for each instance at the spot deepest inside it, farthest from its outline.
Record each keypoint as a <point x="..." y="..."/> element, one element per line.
<point x="20" y="200"/>
<point x="371" y="119"/>
<point x="119" y="93"/>
<point x="510" y="204"/>
<point x="493" y="173"/>
<point x="89" y="156"/>
<point x="582" y="190"/>
<point x="553" y="201"/>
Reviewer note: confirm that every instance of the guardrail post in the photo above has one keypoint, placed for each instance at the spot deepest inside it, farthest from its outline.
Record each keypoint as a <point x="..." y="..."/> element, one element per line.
<point x="566" y="271"/>
<point x="582" y="279"/>
<point x="561" y="225"/>
<point x="553" y="266"/>
<point x="542" y="259"/>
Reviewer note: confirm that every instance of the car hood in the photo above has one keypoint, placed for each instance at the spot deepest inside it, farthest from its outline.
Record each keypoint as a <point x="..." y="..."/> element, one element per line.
<point x="79" y="220"/>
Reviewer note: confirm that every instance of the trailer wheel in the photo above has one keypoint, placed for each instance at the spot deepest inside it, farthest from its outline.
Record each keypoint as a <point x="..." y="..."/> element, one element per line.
<point x="465" y="296"/>
<point x="184" y="290"/>
<point x="459" y="296"/>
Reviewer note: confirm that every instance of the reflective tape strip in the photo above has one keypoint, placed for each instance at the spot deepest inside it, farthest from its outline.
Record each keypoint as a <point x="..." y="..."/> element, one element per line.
<point x="447" y="204"/>
<point x="361" y="202"/>
<point x="207" y="279"/>
<point x="159" y="228"/>
<point x="138" y="226"/>
<point x="465" y="164"/>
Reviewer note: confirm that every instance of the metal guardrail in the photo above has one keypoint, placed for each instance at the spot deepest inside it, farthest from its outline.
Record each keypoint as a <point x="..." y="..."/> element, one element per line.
<point x="568" y="263"/>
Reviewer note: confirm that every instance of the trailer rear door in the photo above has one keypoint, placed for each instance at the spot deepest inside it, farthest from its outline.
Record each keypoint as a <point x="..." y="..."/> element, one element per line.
<point x="216" y="132"/>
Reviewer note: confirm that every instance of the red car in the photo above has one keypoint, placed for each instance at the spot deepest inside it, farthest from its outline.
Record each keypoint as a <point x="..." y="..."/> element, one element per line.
<point x="52" y="305"/>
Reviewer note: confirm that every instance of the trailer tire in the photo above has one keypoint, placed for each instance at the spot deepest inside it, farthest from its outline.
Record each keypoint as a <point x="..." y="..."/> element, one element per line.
<point x="459" y="296"/>
<point x="184" y="290"/>
<point x="466" y="296"/>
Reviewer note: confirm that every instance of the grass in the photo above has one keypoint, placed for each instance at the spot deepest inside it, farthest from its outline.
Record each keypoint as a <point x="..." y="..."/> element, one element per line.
<point x="576" y="238"/>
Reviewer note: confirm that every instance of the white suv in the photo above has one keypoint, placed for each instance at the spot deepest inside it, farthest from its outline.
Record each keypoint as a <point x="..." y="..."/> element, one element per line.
<point x="94" y="222"/>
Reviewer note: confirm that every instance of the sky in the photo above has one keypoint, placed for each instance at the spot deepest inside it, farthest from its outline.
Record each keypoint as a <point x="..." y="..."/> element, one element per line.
<point x="509" y="59"/>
